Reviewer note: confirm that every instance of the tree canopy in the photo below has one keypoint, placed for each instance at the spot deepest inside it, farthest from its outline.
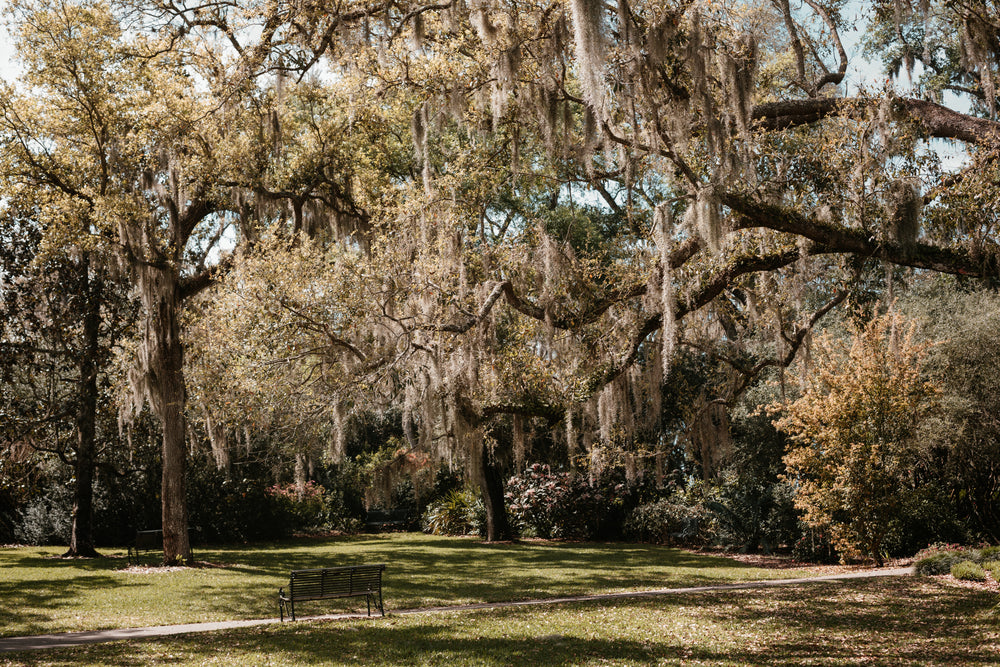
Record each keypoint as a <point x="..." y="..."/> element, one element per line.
<point x="488" y="212"/>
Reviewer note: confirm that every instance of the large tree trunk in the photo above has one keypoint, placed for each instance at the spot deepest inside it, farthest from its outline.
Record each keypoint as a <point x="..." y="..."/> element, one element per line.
<point x="81" y="542"/>
<point x="497" y="525"/>
<point x="162" y="368"/>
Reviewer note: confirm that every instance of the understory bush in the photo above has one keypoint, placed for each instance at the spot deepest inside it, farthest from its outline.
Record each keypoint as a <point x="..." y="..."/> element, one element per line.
<point x="567" y="505"/>
<point x="458" y="512"/>
<point x="814" y="546"/>
<point x="673" y="523"/>
<point x="968" y="571"/>
<point x="940" y="558"/>
<point x="305" y="507"/>
<point x="46" y="519"/>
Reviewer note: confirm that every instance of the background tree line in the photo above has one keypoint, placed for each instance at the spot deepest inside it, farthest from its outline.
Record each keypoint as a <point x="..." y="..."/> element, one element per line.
<point x="582" y="234"/>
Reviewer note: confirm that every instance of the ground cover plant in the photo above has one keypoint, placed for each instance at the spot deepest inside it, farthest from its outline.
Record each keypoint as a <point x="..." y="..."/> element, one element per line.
<point x="897" y="620"/>
<point x="43" y="594"/>
<point x="940" y="558"/>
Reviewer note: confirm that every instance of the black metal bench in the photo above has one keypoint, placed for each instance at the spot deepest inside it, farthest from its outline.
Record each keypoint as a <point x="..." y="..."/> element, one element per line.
<point x="152" y="540"/>
<point x="382" y="520"/>
<point x="333" y="582"/>
<point x="145" y="540"/>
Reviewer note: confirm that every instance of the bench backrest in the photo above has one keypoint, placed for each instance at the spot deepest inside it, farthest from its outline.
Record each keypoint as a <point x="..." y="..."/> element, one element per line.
<point x="149" y="539"/>
<point x="335" y="581"/>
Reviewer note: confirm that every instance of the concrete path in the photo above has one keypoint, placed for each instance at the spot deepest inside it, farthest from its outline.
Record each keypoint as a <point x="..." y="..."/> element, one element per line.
<point x="68" y="639"/>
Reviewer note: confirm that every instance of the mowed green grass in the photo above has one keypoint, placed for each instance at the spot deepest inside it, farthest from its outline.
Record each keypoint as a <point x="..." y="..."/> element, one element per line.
<point x="886" y="621"/>
<point x="42" y="593"/>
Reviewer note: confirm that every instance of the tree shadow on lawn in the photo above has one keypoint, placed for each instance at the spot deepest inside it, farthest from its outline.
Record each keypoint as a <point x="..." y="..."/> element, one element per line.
<point x="457" y="639"/>
<point x="28" y="606"/>
<point x="443" y="572"/>
<point x="889" y="621"/>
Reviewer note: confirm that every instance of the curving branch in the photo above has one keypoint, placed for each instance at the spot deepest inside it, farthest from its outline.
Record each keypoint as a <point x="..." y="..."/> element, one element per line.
<point x="830" y="77"/>
<point x="938" y="121"/>
<point x="751" y="213"/>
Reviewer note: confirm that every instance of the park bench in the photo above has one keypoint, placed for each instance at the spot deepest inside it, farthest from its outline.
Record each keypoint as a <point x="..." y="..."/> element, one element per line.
<point x="152" y="540"/>
<point x="145" y="540"/>
<point x="379" y="520"/>
<point x="333" y="582"/>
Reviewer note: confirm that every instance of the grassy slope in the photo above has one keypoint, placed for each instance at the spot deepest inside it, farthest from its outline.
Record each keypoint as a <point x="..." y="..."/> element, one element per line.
<point x="897" y="621"/>
<point x="42" y="594"/>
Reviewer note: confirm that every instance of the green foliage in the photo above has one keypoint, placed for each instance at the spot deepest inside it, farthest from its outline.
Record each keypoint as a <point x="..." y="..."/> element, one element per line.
<point x="671" y="522"/>
<point x="459" y="512"/>
<point x="570" y="505"/>
<point x="306" y="507"/>
<point x="753" y="504"/>
<point x="939" y="563"/>
<point x="960" y="444"/>
<point x="968" y="571"/>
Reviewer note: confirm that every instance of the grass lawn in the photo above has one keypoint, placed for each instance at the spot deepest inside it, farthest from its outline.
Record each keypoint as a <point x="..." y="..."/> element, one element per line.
<point x="43" y="594"/>
<point x="889" y="621"/>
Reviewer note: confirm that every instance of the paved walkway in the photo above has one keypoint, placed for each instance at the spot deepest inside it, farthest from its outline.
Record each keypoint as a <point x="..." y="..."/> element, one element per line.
<point x="68" y="639"/>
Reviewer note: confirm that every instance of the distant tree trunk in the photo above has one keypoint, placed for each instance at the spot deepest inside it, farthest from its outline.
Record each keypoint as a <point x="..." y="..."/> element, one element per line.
<point x="162" y="364"/>
<point x="81" y="542"/>
<point x="497" y="525"/>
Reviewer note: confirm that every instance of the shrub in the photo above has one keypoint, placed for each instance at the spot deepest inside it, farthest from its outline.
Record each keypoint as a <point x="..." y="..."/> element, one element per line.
<point x="670" y="522"/>
<point x="306" y="511"/>
<point x="989" y="554"/>
<point x="814" y="546"/>
<point x="938" y="563"/>
<point x="993" y="567"/>
<point x="968" y="571"/>
<point x="459" y="512"/>
<point x="46" y="519"/>
<point x="565" y="505"/>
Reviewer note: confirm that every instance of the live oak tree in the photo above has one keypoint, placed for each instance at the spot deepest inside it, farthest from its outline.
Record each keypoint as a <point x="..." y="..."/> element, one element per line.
<point x="743" y="193"/>
<point x="106" y="149"/>
<point x="590" y="185"/>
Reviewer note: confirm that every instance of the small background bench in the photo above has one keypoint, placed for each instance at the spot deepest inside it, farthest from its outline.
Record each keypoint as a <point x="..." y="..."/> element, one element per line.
<point x="145" y="540"/>
<point x="333" y="582"/>
<point x="377" y="521"/>
<point x="152" y="540"/>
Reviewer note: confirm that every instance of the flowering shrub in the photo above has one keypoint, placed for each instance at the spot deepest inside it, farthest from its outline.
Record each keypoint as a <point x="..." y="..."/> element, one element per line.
<point x="939" y="558"/>
<point x="305" y="511"/>
<point x="558" y="504"/>
<point x="670" y="522"/>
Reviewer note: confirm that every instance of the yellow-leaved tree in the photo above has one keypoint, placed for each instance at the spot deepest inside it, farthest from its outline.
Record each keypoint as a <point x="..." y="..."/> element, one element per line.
<point x="854" y="430"/>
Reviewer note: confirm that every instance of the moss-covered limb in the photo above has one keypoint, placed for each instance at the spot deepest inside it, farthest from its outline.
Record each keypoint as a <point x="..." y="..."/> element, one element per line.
<point x="693" y="301"/>
<point x="838" y="239"/>
<point x="938" y="121"/>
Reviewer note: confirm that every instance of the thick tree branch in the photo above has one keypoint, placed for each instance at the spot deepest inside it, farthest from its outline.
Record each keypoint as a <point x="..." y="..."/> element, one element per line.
<point x="836" y="239"/>
<point x="939" y="121"/>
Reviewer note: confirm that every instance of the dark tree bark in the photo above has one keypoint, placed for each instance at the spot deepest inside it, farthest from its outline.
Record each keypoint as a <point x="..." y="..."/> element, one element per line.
<point x="162" y="360"/>
<point x="497" y="525"/>
<point x="81" y="541"/>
